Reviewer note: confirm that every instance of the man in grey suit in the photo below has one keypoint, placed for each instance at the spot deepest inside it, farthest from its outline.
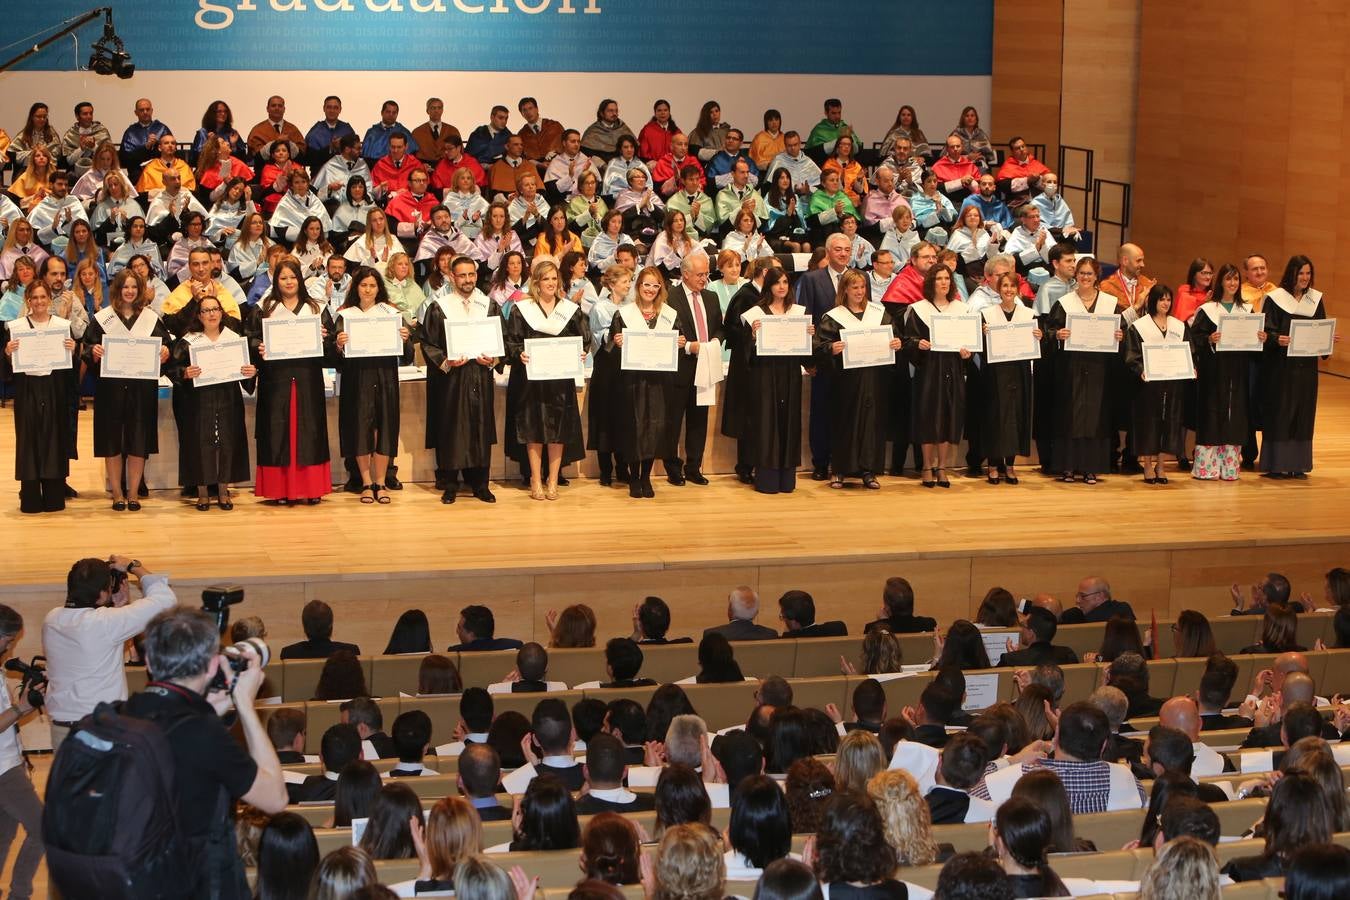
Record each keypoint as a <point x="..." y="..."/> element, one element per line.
<point x="816" y="291"/>
<point x="700" y="321"/>
<point x="742" y="607"/>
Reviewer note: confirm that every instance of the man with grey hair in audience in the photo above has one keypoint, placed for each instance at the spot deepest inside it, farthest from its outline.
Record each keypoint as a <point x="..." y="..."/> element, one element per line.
<point x="686" y="744"/>
<point x="1119" y="748"/>
<point x="742" y="607"/>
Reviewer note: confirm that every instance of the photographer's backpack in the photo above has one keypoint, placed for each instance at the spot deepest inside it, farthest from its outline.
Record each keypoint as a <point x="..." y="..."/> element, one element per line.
<point x="110" y="825"/>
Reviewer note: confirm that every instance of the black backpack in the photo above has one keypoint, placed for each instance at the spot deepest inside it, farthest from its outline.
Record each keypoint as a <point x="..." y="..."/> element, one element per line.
<point x="110" y="825"/>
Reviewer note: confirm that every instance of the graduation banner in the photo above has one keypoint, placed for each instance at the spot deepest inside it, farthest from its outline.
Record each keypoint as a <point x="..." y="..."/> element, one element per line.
<point x="868" y="37"/>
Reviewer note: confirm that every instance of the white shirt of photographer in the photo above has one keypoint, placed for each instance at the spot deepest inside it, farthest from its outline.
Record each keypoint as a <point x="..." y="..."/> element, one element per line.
<point x="11" y="752"/>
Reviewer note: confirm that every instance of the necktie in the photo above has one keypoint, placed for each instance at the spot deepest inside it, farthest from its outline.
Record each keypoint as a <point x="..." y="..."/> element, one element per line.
<point x="278" y="128"/>
<point x="536" y="129"/>
<point x="435" y="132"/>
<point x="700" y="322"/>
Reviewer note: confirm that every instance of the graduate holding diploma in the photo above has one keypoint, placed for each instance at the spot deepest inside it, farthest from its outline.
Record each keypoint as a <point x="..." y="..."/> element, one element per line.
<point x="546" y="413"/>
<point x="126" y="410"/>
<point x="939" y="406"/>
<point x="773" y="426"/>
<point x="602" y="401"/>
<point x="292" y="419"/>
<point x="1289" y="383"/>
<point x="44" y="441"/>
<point x="368" y="411"/>
<point x="1082" y="402"/>
<point x="645" y="398"/>
<point x="1156" y="410"/>
<point x="212" y="438"/>
<point x="461" y="420"/>
<point x="736" y="418"/>
<point x="1223" y="405"/>
<point x="1006" y="430"/>
<point x="859" y="404"/>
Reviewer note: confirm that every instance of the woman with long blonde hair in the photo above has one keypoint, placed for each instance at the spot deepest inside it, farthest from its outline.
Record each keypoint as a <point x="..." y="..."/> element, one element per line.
<point x="35" y="181"/>
<point x="905" y="816"/>
<point x="1184" y="870"/>
<point x="858" y="759"/>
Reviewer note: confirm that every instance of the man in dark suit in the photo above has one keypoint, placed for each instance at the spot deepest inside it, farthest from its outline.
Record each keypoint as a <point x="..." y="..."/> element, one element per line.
<point x="605" y="768"/>
<point x="340" y="747"/>
<point x="364" y="714"/>
<point x="1296" y="693"/>
<point x="700" y="321"/>
<point x="1216" y="686"/>
<point x="480" y="775"/>
<point x="930" y="716"/>
<point x="1038" y="630"/>
<point x="1094" y="604"/>
<point x="551" y="728"/>
<point x="960" y="768"/>
<point x="797" y="609"/>
<point x="816" y="291"/>
<point x="317" y="621"/>
<point x="623" y="662"/>
<point x="651" y="623"/>
<point x="475" y="630"/>
<point x="1129" y="673"/>
<point x="286" y="731"/>
<point x="897" y="610"/>
<point x="742" y="607"/>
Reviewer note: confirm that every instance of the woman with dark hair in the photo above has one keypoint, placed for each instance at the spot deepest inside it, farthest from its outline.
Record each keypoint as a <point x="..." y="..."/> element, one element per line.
<point x="822" y="734"/>
<point x="1222" y="409"/>
<point x="1197" y="289"/>
<point x="1192" y="635"/>
<point x="217" y="122"/>
<point x="1158" y="405"/>
<point x="292" y="419"/>
<point x="388" y="834"/>
<point x="667" y="702"/>
<point x="716" y="661"/>
<point x="126" y="410"/>
<point x="1289" y="384"/>
<point x="808" y="786"/>
<point x="357" y="786"/>
<point x="288" y="854"/>
<point x="998" y="609"/>
<point x="906" y="126"/>
<point x="654" y="138"/>
<point x="547" y="819"/>
<point x="1319" y="872"/>
<point x="939" y="410"/>
<point x="1044" y="789"/>
<point x="504" y="735"/>
<point x="1007" y="389"/>
<point x="1317" y="759"/>
<point x="193" y="237"/>
<point x="1021" y="837"/>
<point x="788" y="879"/>
<point x="36" y="131"/>
<point x="623" y="161"/>
<point x="786" y="227"/>
<point x="1120" y="635"/>
<point x="789" y="739"/>
<point x="680" y="798"/>
<point x="411" y="634"/>
<point x="760" y="830"/>
<point x="975" y="143"/>
<point x="438" y="675"/>
<point x="962" y="648"/>
<point x="611" y="849"/>
<point x="710" y="132"/>
<point x="1166" y="787"/>
<point x="342" y="678"/>
<point x="1340" y="624"/>
<point x="1279" y="631"/>
<point x="349" y="219"/>
<point x="851" y="856"/>
<point x="1296" y="816"/>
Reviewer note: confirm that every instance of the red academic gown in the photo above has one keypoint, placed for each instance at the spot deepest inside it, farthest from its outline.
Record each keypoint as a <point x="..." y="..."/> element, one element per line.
<point x="654" y="141"/>
<point x="395" y="177"/>
<point x="906" y="288"/>
<point x="403" y="204"/>
<point x="666" y="167"/>
<point x="443" y="178"/>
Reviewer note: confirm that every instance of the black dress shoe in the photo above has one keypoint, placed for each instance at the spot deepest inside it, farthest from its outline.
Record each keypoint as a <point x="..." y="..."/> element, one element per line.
<point x="974" y="472"/>
<point x="143" y="491"/>
<point x="314" y="501"/>
<point x="635" y="489"/>
<point x="820" y="473"/>
<point x="70" y="492"/>
<point x="203" y="505"/>
<point x="226" y="505"/>
<point x="485" y="495"/>
<point x="895" y="471"/>
<point x="448" y="497"/>
<point x="606" y="480"/>
<point x="695" y="476"/>
<point x="676" y="478"/>
<point x="1274" y="476"/>
<point x="1300" y="476"/>
<point x="353" y="485"/>
<point x="562" y="480"/>
<point x="391" y="483"/>
<point x="647" y="488"/>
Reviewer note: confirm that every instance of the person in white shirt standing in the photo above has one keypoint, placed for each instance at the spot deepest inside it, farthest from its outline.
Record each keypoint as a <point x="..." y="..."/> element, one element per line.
<point x="83" y="639"/>
<point x="19" y="803"/>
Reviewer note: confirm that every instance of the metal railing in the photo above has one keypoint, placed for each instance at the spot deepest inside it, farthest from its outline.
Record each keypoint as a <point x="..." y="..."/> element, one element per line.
<point x="1076" y="163"/>
<point x="1110" y="207"/>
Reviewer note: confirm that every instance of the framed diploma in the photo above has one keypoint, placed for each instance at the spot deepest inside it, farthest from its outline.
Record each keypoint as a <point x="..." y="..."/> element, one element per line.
<point x="953" y="332"/>
<point x="645" y="350"/>
<point x="554" y="359"/>
<point x="1312" y="337"/>
<point x="292" y="338"/>
<point x="220" y="362"/>
<point x="136" y="358"/>
<point x="1090" y="333"/>
<point x="369" y="336"/>
<point x="783" y="336"/>
<point x="864" y="347"/>
<point x="472" y="338"/>
<point x="1238" y="331"/>
<point x="1011" y="342"/>
<point x="41" y="350"/>
<point x="1168" y="362"/>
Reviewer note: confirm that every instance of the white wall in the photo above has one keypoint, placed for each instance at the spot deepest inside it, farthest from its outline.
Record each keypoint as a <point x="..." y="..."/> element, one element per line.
<point x="180" y="98"/>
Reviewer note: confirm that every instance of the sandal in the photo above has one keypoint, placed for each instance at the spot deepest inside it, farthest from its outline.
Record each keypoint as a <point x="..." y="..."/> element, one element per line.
<point x="368" y="494"/>
<point x="551" y="491"/>
<point x="119" y="506"/>
<point x="837" y="482"/>
<point x="382" y="495"/>
<point x="1089" y="478"/>
<point x="203" y="504"/>
<point x="1067" y="478"/>
<point x="870" y="482"/>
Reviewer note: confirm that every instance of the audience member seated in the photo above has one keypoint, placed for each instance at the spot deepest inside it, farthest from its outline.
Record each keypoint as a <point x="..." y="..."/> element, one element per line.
<point x="667" y="170"/>
<point x="962" y="766"/>
<point x="1297" y="816"/>
<point x="850" y="854"/>
<point x="487" y="142"/>
<point x="1170" y="753"/>
<point x="1279" y="628"/>
<point x="548" y="818"/>
<point x="623" y="662"/>
<point x="1319" y="872"/>
<point x="1020" y="175"/>
<point x="551" y="730"/>
<point x="455" y="158"/>
<point x="1129" y="673"/>
<point x="611" y="854"/>
<point x="699" y="209"/>
<point x="931" y="715"/>
<point x="357" y="787"/>
<point x="389" y="831"/>
<point x="317" y="621"/>
<point x="724" y="161"/>
<point x="956" y="174"/>
<point x="480" y="772"/>
<point x="1093" y="603"/>
<point x="366" y="715"/>
<point x="962" y="647"/>
<point x="897" y="610"/>
<point x="797" y="609"/>
<point x="476" y="629"/>
<point x="530" y="674"/>
<point x="1114" y="704"/>
<point x="1036" y="647"/>
<point x="341" y="678"/>
<point x="275" y="129"/>
<point x="391" y="172"/>
<point x="605" y="773"/>
<point x="651" y="623"/>
<point x="742" y="607"/>
<point x="286" y="730"/>
<point x="339" y="748"/>
<point x="1021" y="839"/>
<point x="803" y="169"/>
<point x="1183" y="714"/>
<point x="626" y="721"/>
<point x="760" y="831"/>
<point x="1216" y="686"/>
<point x="412" y="742"/>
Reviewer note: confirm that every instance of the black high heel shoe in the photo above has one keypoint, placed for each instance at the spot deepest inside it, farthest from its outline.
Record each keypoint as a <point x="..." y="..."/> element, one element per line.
<point x="928" y="483"/>
<point x="943" y="482"/>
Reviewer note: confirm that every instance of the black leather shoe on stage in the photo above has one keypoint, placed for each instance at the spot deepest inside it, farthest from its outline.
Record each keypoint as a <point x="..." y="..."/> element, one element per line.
<point x="695" y="476"/>
<point x="820" y="474"/>
<point x="485" y="495"/>
<point x="448" y="497"/>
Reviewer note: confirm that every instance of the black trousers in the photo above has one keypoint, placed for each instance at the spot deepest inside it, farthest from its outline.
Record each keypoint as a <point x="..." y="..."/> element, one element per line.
<point x="820" y="421"/>
<point x="45" y="495"/>
<point x="695" y="420"/>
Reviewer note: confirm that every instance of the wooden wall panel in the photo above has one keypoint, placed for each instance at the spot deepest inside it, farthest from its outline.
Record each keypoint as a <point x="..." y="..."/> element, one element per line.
<point x="1028" y="44"/>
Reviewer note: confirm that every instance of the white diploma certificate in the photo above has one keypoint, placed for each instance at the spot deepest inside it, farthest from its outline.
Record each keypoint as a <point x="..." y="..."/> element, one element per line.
<point x="1011" y="342"/>
<point x="135" y="358"/>
<point x="1238" y="331"/>
<point x="293" y="338"/>
<point x="783" y="336"/>
<point x="372" y="336"/>
<point x="1089" y="333"/>
<point x="472" y="338"/>
<point x="554" y="359"/>
<point x="864" y="347"/>
<point x="996" y="643"/>
<point x="981" y="692"/>
<point x="1168" y="362"/>
<point x="1311" y="337"/>
<point x="645" y="350"/>
<point x="42" y="349"/>
<point x="952" y="332"/>
<point x="220" y="362"/>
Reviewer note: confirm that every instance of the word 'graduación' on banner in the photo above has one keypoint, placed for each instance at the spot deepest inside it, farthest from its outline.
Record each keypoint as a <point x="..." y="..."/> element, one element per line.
<point x="214" y="16"/>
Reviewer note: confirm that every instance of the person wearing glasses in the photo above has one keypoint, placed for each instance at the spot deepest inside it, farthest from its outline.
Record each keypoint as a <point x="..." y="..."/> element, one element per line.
<point x="1093" y="603"/>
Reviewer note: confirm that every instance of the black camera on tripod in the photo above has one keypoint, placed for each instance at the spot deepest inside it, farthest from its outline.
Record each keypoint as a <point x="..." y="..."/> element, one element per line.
<point x="34" y="677"/>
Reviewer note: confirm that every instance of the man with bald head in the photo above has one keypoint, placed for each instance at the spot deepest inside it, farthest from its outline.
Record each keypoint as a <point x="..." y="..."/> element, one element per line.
<point x="1183" y="714"/>
<point x="1093" y="603"/>
<point x="742" y="607"/>
<point x="1296" y="688"/>
<point x="1128" y="283"/>
<point x="1048" y="602"/>
<point x="1271" y="680"/>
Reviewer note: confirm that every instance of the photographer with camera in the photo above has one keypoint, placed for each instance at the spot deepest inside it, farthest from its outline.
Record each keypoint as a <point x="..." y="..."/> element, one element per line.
<point x="194" y="683"/>
<point x="19" y="803"/>
<point x="83" y="639"/>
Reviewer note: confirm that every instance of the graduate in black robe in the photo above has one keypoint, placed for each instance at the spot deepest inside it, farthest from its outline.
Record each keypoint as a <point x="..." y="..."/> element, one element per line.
<point x="368" y="402"/>
<point x="647" y="402"/>
<point x="292" y="419"/>
<point x="738" y="339"/>
<point x="126" y="410"/>
<point x="1289" y="384"/>
<point x="773" y="418"/>
<point x="212" y="437"/>
<point x="860" y="402"/>
<point x="461" y="394"/>
<point x="1222" y="396"/>
<point x="546" y="419"/>
<point x="44" y="442"/>
<point x="602" y="395"/>
<point x="1083" y="411"/>
<point x="1006" y="398"/>
<point x="1157" y="420"/>
<point x="939" y="407"/>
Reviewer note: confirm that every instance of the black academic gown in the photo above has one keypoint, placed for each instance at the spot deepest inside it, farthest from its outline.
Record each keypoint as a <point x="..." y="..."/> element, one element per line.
<point x="368" y="401"/>
<point x="1222" y="403"/>
<point x="603" y="397"/>
<point x="736" y="334"/>
<point x="939" y="408"/>
<point x="1083" y="413"/>
<point x="1288" y="392"/>
<point x="860" y="403"/>
<point x="212" y="437"/>
<point x="647" y="401"/>
<point x="126" y="410"/>
<point x="274" y="400"/>
<point x="461" y="403"/>
<point x="44" y="443"/>
<point x="773" y="418"/>
<point x="1157" y="422"/>
<point x="547" y="411"/>
<point x="1006" y="399"/>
